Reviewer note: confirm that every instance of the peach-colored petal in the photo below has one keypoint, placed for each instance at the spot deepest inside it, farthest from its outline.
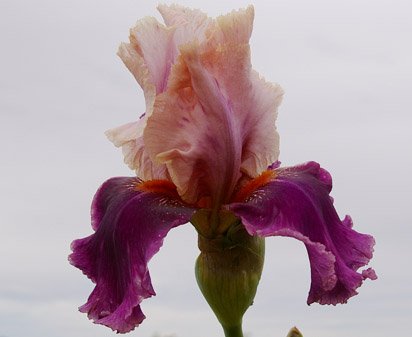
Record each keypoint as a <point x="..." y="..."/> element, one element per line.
<point x="154" y="43"/>
<point x="137" y="66"/>
<point x="146" y="168"/>
<point x="255" y="103"/>
<point x="217" y="119"/>
<point x="255" y="100"/>
<point x="124" y="133"/>
<point x="176" y="15"/>
<point x="194" y="133"/>
<point x="190" y="24"/>
<point x="261" y="144"/>
<point x="130" y="138"/>
<point x="210" y="118"/>
<point x="235" y="27"/>
<point x="148" y="56"/>
<point x="125" y="136"/>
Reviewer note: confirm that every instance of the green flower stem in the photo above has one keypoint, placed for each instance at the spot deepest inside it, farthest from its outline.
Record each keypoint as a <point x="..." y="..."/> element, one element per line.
<point x="235" y="331"/>
<point x="228" y="268"/>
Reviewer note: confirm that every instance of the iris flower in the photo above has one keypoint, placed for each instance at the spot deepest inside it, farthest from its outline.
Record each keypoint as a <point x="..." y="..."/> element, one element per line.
<point x="205" y="151"/>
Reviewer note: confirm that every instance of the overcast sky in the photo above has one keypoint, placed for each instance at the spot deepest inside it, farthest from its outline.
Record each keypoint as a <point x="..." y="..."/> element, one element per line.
<point x="346" y="69"/>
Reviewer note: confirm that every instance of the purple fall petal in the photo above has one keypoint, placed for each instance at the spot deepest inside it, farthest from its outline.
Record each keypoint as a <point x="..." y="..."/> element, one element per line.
<point x="130" y="226"/>
<point x="297" y="204"/>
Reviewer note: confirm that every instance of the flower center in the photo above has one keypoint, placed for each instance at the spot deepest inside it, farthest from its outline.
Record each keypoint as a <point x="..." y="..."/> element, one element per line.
<point x="160" y="186"/>
<point x="244" y="192"/>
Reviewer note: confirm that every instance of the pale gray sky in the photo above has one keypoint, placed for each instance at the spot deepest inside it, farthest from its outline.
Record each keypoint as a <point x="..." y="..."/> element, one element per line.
<point x="346" y="70"/>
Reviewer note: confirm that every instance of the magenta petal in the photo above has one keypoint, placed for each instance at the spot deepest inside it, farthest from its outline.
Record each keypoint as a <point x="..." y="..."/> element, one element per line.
<point x="297" y="204"/>
<point x="130" y="226"/>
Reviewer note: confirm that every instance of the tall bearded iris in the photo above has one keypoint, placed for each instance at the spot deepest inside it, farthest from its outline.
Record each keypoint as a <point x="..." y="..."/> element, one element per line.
<point x="205" y="151"/>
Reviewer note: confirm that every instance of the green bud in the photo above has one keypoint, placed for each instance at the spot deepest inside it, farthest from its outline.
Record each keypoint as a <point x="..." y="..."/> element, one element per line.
<point x="294" y="332"/>
<point x="228" y="268"/>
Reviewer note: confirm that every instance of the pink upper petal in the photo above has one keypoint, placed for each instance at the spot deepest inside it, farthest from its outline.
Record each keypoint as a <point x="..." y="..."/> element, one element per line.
<point x="209" y="117"/>
<point x="297" y="204"/>
<point x="189" y="24"/>
<point x="149" y="56"/>
<point x="153" y="42"/>
<point x="130" y="138"/>
<point x="254" y="100"/>
<point x="129" y="226"/>
<point x="194" y="132"/>
<point x="217" y="118"/>
<point x="233" y="28"/>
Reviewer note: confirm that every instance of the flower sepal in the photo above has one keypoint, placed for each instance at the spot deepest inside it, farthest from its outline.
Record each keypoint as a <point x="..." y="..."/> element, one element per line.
<point x="228" y="270"/>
